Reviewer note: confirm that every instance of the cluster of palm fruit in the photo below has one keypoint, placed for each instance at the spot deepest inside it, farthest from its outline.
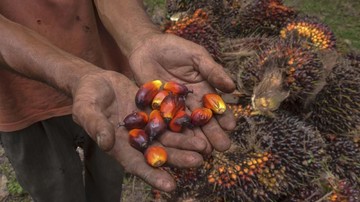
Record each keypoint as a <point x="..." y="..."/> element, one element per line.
<point x="328" y="187"/>
<point x="299" y="114"/>
<point x="167" y="103"/>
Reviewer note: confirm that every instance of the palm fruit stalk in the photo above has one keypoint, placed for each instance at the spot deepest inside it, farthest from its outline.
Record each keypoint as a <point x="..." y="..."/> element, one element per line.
<point x="336" y="108"/>
<point x="316" y="34"/>
<point x="284" y="70"/>
<point x="196" y="28"/>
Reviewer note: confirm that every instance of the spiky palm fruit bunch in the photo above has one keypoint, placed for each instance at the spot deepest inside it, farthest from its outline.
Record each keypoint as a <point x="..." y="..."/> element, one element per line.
<point x="345" y="157"/>
<point x="298" y="148"/>
<point x="264" y="16"/>
<point x="317" y="34"/>
<point x="336" y="108"/>
<point x="196" y="28"/>
<point x="284" y="70"/>
<point x="328" y="187"/>
<point x="235" y="52"/>
<point x="269" y="159"/>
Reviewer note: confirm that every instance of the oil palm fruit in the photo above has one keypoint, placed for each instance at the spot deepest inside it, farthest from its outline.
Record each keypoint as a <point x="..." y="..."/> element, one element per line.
<point x="159" y="97"/>
<point x="155" y="156"/>
<point x="171" y="105"/>
<point x="156" y="125"/>
<point x="214" y="102"/>
<point x="138" y="139"/>
<point x="180" y="121"/>
<point x="146" y="93"/>
<point x="201" y="116"/>
<point x="315" y="33"/>
<point x="336" y="108"/>
<point x="176" y="88"/>
<point x="135" y="120"/>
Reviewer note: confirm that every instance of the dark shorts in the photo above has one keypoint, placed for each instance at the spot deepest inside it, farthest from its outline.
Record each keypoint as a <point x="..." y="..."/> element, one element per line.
<point x="49" y="168"/>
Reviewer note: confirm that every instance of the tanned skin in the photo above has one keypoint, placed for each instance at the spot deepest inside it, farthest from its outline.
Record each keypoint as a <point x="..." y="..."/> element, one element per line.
<point x="72" y="45"/>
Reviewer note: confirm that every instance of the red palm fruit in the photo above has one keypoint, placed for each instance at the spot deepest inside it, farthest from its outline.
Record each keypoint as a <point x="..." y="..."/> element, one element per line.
<point x="214" y="102"/>
<point x="176" y="88"/>
<point x="171" y="105"/>
<point x="146" y="93"/>
<point x="135" y="120"/>
<point x="201" y="116"/>
<point x="155" y="156"/>
<point x="159" y="97"/>
<point x="180" y="121"/>
<point x="156" y="125"/>
<point x="138" y="139"/>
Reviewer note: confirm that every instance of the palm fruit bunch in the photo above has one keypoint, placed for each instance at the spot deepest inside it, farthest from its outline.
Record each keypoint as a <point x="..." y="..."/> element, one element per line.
<point x="167" y="103"/>
<point x="264" y="16"/>
<point x="196" y="28"/>
<point x="316" y="34"/>
<point x="328" y="187"/>
<point x="336" y="108"/>
<point x="235" y="52"/>
<point x="345" y="155"/>
<point x="269" y="159"/>
<point x="284" y="70"/>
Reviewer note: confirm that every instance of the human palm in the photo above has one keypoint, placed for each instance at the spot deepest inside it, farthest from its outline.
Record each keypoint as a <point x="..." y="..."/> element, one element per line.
<point x="171" y="58"/>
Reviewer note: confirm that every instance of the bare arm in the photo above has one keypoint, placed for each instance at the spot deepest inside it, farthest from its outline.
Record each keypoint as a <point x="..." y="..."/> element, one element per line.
<point x="127" y="21"/>
<point x="26" y="52"/>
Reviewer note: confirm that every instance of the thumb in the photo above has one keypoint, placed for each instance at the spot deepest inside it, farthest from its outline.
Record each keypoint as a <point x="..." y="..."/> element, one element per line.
<point x="213" y="72"/>
<point x="95" y="124"/>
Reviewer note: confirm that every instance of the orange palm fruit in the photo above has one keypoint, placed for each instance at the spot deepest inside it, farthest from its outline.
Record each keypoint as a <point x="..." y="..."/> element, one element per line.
<point x="135" y="120"/>
<point x="180" y="121"/>
<point x="156" y="125"/>
<point x="201" y="116"/>
<point x="214" y="102"/>
<point x="159" y="97"/>
<point x="171" y="105"/>
<point x="138" y="139"/>
<point x="146" y="93"/>
<point x="176" y="88"/>
<point x="155" y="156"/>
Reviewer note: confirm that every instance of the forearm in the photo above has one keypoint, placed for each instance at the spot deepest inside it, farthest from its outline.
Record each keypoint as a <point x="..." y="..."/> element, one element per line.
<point x="29" y="54"/>
<point x="127" y="21"/>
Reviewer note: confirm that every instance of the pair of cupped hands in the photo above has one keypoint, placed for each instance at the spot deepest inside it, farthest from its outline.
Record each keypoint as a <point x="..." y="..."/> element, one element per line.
<point x="103" y="98"/>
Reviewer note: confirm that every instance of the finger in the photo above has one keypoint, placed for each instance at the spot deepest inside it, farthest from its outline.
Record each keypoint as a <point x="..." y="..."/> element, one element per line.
<point x="227" y="120"/>
<point x="95" y="124"/>
<point x="182" y="158"/>
<point x="213" y="131"/>
<point x="212" y="71"/>
<point x="185" y="141"/>
<point x="199" y="134"/>
<point x="133" y="161"/>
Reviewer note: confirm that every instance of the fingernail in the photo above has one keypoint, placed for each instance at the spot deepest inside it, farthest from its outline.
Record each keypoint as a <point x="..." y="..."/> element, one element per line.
<point x="98" y="140"/>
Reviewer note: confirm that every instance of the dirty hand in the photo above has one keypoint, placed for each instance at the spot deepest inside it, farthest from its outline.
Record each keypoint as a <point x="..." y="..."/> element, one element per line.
<point x="101" y="100"/>
<point x="171" y="58"/>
